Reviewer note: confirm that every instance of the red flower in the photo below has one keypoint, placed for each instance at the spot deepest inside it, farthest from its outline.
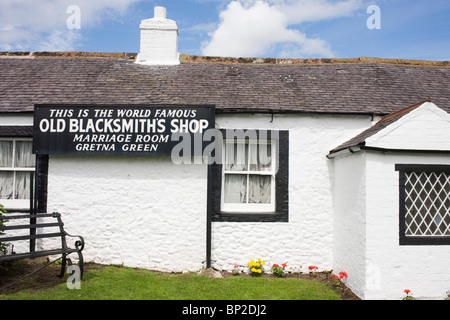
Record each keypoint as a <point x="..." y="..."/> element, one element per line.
<point x="335" y="276"/>
<point x="342" y="274"/>
<point x="407" y="291"/>
<point x="313" y="268"/>
<point x="275" y="266"/>
<point x="284" y="265"/>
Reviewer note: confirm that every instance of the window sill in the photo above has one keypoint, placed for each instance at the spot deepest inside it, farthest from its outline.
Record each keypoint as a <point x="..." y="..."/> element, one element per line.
<point x="15" y="205"/>
<point x="424" y="241"/>
<point x="250" y="217"/>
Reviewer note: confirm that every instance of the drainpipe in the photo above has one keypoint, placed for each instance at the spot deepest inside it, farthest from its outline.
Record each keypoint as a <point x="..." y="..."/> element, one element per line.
<point x="208" y="216"/>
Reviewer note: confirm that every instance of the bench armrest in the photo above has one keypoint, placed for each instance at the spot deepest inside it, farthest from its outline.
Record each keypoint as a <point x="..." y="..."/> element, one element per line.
<point x="79" y="244"/>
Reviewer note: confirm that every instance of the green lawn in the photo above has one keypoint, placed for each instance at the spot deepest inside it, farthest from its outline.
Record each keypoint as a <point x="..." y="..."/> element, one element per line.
<point x="118" y="283"/>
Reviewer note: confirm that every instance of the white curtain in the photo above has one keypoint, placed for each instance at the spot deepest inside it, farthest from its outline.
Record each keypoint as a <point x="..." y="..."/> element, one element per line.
<point x="237" y="157"/>
<point x="22" y="185"/>
<point x="6" y="154"/>
<point x="15" y="184"/>
<point x="259" y="189"/>
<point x="24" y="157"/>
<point x="260" y="157"/>
<point x="235" y="188"/>
<point x="6" y="184"/>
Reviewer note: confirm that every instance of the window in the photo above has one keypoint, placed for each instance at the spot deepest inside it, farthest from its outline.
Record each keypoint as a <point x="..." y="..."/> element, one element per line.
<point x="424" y="204"/>
<point x="248" y="180"/>
<point x="251" y="182"/>
<point x="17" y="165"/>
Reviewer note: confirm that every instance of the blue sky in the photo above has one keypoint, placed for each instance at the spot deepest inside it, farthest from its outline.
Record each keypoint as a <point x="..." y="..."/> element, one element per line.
<point x="258" y="28"/>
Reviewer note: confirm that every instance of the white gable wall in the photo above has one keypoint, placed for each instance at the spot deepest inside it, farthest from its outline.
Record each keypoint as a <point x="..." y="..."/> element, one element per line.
<point x="367" y="204"/>
<point x="425" y="128"/>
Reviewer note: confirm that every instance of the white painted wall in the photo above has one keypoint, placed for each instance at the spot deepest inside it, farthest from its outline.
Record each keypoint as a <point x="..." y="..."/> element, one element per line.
<point x="425" y="128"/>
<point x="367" y="212"/>
<point x="422" y="269"/>
<point x="367" y="231"/>
<point x="150" y="213"/>
<point x="137" y="211"/>
<point x="18" y="119"/>
<point x="350" y="219"/>
<point x="343" y="213"/>
<point x="308" y="237"/>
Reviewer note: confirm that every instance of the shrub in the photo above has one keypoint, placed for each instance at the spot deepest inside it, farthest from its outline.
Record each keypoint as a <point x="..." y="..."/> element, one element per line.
<point x="3" y="246"/>
<point x="313" y="270"/>
<point x="408" y="295"/>
<point x="256" y="267"/>
<point x="278" y="271"/>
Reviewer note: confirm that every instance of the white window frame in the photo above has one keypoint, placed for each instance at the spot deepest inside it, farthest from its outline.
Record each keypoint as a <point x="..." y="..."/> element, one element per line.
<point x="256" y="208"/>
<point x="16" y="203"/>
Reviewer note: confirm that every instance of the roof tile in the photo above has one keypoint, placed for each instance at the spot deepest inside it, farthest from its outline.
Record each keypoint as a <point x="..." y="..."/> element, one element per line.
<point x="316" y="87"/>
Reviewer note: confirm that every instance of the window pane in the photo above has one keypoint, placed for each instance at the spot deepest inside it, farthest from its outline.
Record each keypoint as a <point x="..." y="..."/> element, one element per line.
<point x="6" y="185"/>
<point x="236" y="156"/>
<point x="427" y="204"/>
<point x="6" y="154"/>
<point x="22" y="185"/>
<point x="24" y="155"/>
<point x="235" y="188"/>
<point x="260" y="157"/>
<point x="260" y="188"/>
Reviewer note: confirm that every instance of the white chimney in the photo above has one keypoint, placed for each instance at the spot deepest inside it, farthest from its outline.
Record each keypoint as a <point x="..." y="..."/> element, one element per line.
<point x="159" y="40"/>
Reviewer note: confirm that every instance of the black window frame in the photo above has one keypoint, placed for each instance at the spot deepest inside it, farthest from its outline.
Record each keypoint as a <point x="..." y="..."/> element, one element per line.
<point x="416" y="240"/>
<point x="281" y="213"/>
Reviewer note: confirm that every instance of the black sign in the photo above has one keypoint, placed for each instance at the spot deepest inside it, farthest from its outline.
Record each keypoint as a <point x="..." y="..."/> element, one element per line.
<point x="120" y="129"/>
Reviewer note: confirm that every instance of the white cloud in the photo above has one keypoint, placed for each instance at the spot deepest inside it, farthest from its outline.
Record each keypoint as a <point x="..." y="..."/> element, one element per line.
<point x="60" y="41"/>
<point x="250" y="28"/>
<point x="41" y="25"/>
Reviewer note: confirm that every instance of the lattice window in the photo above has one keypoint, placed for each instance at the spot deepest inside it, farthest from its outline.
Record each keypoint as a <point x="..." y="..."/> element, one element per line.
<point x="427" y="204"/>
<point x="424" y="204"/>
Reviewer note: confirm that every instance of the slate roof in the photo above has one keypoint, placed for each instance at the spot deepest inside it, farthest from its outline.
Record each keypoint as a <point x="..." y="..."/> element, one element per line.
<point x="360" y="140"/>
<point x="231" y="85"/>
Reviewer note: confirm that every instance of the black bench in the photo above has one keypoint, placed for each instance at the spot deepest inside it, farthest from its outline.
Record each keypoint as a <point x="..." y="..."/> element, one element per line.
<point x="33" y="225"/>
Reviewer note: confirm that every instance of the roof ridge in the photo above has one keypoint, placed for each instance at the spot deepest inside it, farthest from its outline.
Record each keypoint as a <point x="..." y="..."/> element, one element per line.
<point x="360" y="139"/>
<point x="400" y="113"/>
<point x="187" y="58"/>
<point x="311" y="61"/>
<point x="68" y="55"/>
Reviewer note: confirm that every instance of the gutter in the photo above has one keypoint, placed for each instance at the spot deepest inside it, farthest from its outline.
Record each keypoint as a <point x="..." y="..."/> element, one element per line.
<point x="343" y="152"/>
<point x="359" y="148"/>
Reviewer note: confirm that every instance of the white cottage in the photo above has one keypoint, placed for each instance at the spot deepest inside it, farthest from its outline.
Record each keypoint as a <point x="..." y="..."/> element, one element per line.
<point x="265" y="184"/>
